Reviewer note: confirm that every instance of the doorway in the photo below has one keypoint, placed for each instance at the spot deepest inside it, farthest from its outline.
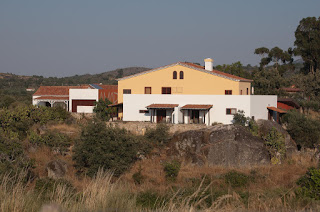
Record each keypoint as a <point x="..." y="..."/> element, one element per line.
<point x="195" y="116"/>
<point x="161" y="116"/>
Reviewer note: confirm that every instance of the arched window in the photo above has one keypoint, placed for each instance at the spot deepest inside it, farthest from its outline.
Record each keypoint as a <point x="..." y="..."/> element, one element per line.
<point x="174" y="75"/>
<point x="181" y="74"/>
<point x="247" y="91"/>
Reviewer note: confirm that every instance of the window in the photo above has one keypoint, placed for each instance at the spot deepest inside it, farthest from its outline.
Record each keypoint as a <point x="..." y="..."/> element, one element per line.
<point x="126" y="91"/>
<point x="181" y="74"/>
<point x="240" y="92"/>
<point x="228" y="92"/>
<point x="147" y="90"/>
<point x="231" y="111"/>
<point x="166" y="90"/>
<point x="174" y="75"/>
<point x="143" y="111"/>
<point x="247" y="91"/>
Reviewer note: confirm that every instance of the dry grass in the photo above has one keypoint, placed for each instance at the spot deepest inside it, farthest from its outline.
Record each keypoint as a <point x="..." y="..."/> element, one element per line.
<point x="273" y="189"/>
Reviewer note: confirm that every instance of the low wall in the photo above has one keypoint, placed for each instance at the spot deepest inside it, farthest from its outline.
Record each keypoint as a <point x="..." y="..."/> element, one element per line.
<point x="139" y="128"/>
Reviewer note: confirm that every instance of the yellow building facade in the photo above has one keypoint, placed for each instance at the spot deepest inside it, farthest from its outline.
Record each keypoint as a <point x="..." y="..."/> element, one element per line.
<point x="183" y="78"/>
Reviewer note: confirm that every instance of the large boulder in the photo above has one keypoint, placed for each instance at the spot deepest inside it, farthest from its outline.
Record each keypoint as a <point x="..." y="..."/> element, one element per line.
<point x="56" y="169"/>
<point x="265" y="126"/>
<point x="227" y="145"/>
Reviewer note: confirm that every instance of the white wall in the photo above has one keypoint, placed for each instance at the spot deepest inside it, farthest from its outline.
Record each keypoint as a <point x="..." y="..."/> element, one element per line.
<point x="85" y="109"/>
<point x="259" y="104"/>
<point x="82" y="94"/>
<point x="252" y="105"/>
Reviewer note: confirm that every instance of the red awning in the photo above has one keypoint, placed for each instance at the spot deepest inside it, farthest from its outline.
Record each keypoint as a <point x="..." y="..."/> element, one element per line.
<point x="162" y="106"/>
<point x="197" y="107"/>
<point x="277" y="109"/>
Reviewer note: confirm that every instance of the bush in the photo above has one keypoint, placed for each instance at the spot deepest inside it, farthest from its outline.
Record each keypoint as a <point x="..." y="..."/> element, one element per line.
<point x="138" y="177"/>
<point x="276" y="143"/>
<point x="158" y="135"/>
<point x="236" y="179"/>
<point x="171" y="170"/>
<point x="48" y="185"/>
<point x="13" y="158"/>
<point x="239" y="118"/>
<point x="108" y="148"/>
<point x="253" y="127"/>
<point x="310" y="184"/>
<point x="303" y="130"/>
<point x="54" y="140"/>
<point x="149" y="199"/>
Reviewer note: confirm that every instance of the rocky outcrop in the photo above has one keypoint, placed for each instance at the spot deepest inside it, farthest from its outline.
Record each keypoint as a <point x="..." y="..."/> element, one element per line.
<point x="227" y="145"/>
<point x="56" y="169"/>
<point x="265" y="126"/>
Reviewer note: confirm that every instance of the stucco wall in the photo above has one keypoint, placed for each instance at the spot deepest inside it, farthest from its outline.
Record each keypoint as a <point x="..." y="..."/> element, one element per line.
<point x="85" y="109"/>
<point x="194" y="82"/>
<point x="251" y="105"/>
<point x="82" y="94"/>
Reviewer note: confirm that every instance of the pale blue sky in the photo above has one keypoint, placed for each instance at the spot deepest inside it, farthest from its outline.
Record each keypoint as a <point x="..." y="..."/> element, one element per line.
<point x="68" y="37"/>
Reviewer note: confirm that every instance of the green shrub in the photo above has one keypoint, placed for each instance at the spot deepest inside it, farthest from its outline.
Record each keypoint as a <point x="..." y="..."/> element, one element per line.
<point x="149" y="199"/>
<point x="304" y="131"/>
<point x="239" y="118"/>
<point x="236" y="179"/>
<point x="253" y="127"/>
<point x="105" y="147"/>
<point x="171" y="170"/>
<point x="276" y="143"/>
<point x="158" y="135"/>
<point x="138" y="177"/>
<point x="309" y="184"/>
<point x="12" y="157"/>
<point x="54" y="140"/>
<point x="102" y="110"/>
<point x="48" y="185"/>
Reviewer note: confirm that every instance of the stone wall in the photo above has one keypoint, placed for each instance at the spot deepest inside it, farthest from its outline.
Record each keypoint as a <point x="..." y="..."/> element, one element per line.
<point x="139" y="128"/>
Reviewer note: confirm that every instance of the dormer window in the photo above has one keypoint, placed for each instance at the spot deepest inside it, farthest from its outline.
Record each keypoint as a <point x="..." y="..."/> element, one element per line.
<point x="174" y="75"/>
<point x="181" y="75"/>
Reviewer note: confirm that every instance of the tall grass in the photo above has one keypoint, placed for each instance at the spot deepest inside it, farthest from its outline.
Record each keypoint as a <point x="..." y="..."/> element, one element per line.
<point x="101" y="194"/>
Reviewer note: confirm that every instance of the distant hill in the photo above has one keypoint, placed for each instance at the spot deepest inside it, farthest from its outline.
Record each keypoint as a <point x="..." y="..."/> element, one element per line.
<point x="9" y="81"/>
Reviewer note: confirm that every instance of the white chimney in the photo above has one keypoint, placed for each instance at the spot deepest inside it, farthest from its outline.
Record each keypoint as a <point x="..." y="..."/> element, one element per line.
<point x="208" y="64"/>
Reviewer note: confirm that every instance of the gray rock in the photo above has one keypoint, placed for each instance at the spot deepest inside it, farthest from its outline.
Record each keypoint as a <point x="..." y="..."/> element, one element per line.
<point x="226" y="145"/>
<point x="56" y="169"/>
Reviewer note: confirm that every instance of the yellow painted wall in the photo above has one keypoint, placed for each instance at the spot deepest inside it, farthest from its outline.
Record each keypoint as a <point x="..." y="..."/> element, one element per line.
<point x="194" y="82"/>
<point x="243" y="86"/>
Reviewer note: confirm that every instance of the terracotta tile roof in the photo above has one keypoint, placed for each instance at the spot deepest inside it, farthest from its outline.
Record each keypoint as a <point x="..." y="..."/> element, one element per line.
<point x="199" y="107"/>
<point x="231" y="76"/>
<point x="277" y="109"/>
<point x="54" y="97"/>
<point x="194" y="66"/>
<point x="57" y="90"/>
<point x="217" y="72"/>
<point x="162" y="106"/>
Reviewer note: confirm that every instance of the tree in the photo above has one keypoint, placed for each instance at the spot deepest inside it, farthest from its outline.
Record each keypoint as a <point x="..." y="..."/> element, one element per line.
<point x="102" y="110"/>
<point x="303" y="130"/>
<point x="308" y="43"/>
<point x="263" y="52"/>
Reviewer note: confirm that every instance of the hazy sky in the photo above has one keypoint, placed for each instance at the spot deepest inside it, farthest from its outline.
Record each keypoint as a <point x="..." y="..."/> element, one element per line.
<point x="68" y="37"/>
